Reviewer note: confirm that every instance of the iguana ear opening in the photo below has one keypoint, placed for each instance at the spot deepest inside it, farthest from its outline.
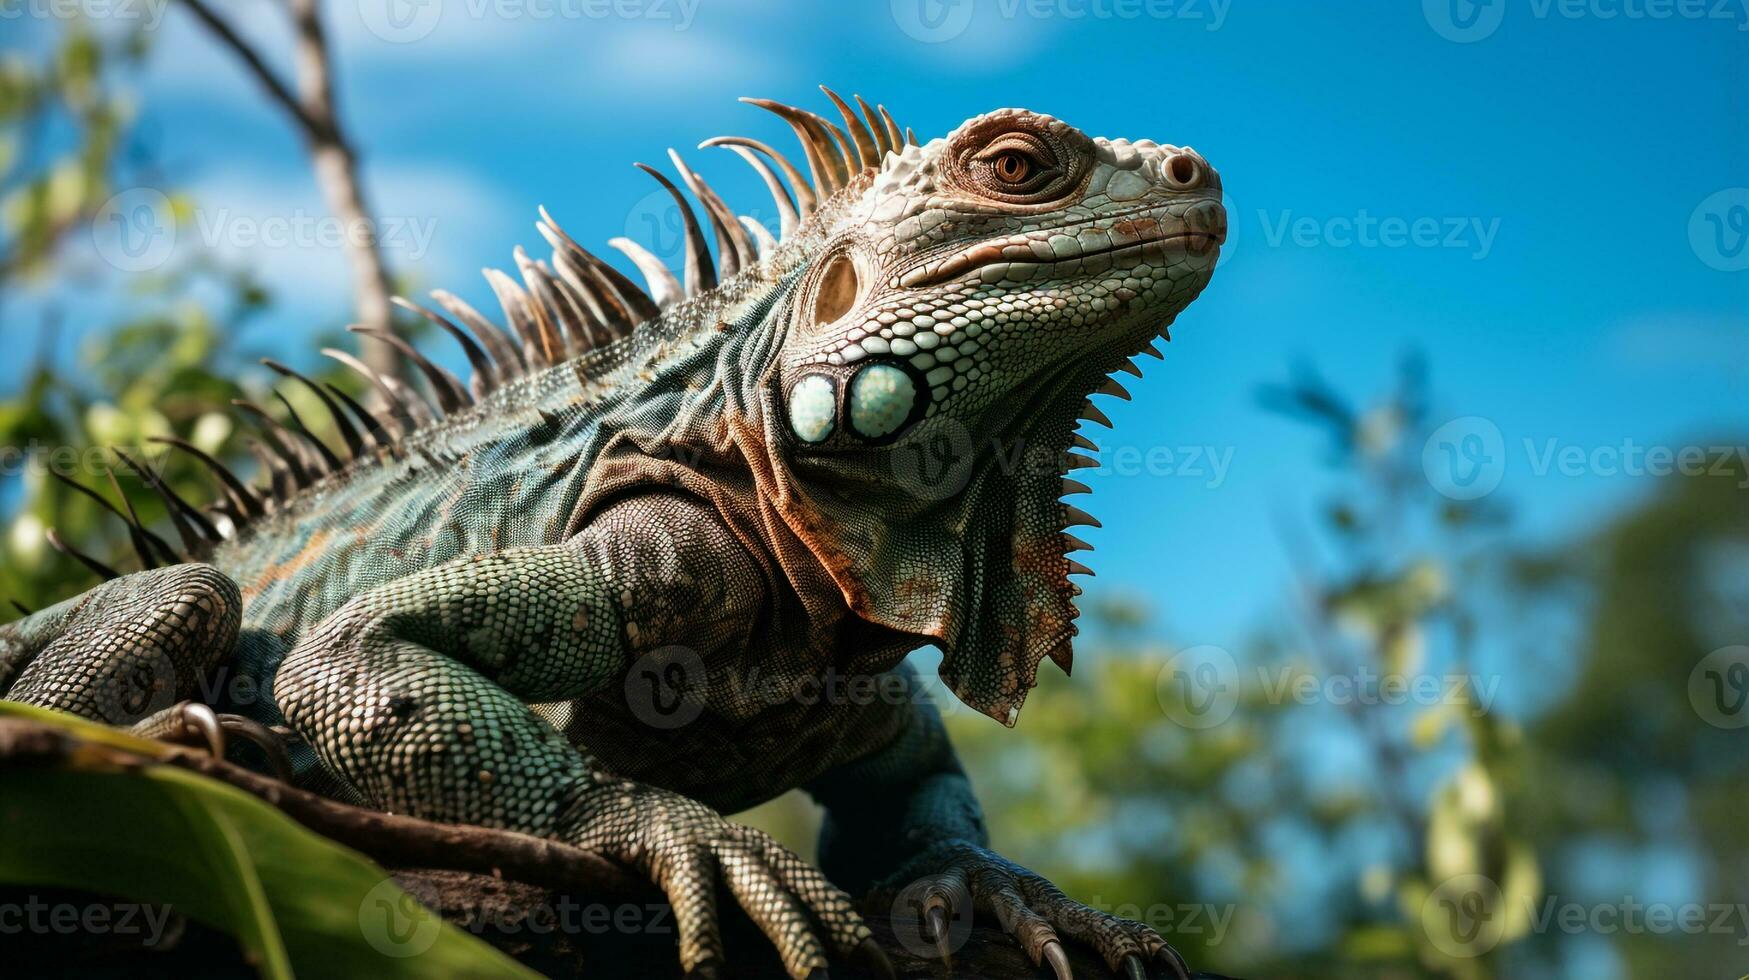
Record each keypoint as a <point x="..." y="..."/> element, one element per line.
<point x="837" y="290"/>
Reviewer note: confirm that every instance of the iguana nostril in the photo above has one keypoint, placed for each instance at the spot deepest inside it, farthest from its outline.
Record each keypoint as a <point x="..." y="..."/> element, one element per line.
<point x="1208" y="218"/>
<point x="1183" y="172"/>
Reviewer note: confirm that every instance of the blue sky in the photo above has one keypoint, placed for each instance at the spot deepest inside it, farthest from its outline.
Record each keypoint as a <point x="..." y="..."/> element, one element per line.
<point x="1538" y="195"/>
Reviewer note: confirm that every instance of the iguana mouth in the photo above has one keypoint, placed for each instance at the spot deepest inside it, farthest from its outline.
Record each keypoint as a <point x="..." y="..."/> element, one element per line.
<point x="1199" y="231"/>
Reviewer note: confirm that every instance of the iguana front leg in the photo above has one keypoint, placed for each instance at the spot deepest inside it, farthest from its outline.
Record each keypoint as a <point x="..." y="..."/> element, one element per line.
<point x="904" y="822"/>
<point x="415" y="691"/>
<point x="125" y="652"/>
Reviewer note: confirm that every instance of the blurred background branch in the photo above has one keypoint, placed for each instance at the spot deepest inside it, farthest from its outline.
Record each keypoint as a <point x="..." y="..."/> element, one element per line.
<point x="332" y="157"/>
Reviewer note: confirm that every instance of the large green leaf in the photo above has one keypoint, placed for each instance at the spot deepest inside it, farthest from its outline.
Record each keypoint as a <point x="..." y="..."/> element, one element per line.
<point x="295" y="901"/>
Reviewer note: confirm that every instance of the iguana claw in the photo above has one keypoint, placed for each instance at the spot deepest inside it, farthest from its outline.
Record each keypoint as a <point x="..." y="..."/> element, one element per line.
<point x="192" y="721"/>
<point x="263" y="738"/>
<point x="1030" y="909"/>
<point x="199" y="719"/>
<point x="937" y="932"/>
<point x="870" y="952"/>
<point x="1059" y="960"/>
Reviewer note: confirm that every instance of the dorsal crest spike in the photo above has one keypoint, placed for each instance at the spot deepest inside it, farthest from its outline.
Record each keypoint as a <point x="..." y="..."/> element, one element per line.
<point x="734" y="251"/>
<point x="816" y="146"/>
<point x="342" y="424"/>
<point x="542" y="307"/>
<point x="91" y="564"/>
<point x="476" y="355"/>
<point x="506" y="353"/>
<point x="451" y="396"/>
<point x="563" y="326"/>
<point x="876" y="129"/>
<point x="639" y="305"/>
<point x="270" y="428"/>
<point x="664" y="288"/>
<point x="1091" y="413"/>
<point x="379" y="436"/>
<point x="867" y="153"/>
<point x="701" y="275"/>
<point x="330" y="462"/>
<point x="192" y="527"/>
<point x="805" y="202"/>
<point x="150" y="546"/>
<point x="241" y="497"/>
<point x="894" y="136"/>
<point x="399" y="411"/>
<point x="763" y="241"/>
<point x="137" y="535"/>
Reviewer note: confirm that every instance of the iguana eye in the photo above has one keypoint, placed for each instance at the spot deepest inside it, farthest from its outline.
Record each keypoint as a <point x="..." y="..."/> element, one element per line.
<point x="1018" y="158"/>
<point x="1017" y="165"/>
<point x="1012" y="168"/>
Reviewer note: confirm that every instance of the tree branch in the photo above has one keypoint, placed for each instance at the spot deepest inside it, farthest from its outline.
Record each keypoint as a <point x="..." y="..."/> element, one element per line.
<point x="389" y="839"/>
<point x="311" y="107"/>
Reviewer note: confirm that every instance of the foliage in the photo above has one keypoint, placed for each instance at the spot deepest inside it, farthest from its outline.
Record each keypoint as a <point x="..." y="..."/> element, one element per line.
<point x="168" y="837"/>
<point x="170" y="365"/>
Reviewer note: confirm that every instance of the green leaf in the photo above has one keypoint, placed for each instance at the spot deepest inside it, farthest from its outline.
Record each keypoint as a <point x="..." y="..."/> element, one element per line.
<point x="294" y="900"/>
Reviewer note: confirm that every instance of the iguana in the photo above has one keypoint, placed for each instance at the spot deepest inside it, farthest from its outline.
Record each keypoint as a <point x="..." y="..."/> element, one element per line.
<point x="583" y="593"/>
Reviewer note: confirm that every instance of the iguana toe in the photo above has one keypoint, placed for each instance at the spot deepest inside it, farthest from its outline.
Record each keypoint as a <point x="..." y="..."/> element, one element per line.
<point x="948" y="878"/>
<point x="688" y="849"/>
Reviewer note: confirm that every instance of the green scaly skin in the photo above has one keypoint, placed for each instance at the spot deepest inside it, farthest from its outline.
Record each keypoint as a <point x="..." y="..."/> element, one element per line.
<point x="589" y="605"/>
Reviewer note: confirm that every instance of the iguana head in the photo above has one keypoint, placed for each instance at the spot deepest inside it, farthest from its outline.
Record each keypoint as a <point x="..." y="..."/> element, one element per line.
<point x="955" y="308"/>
